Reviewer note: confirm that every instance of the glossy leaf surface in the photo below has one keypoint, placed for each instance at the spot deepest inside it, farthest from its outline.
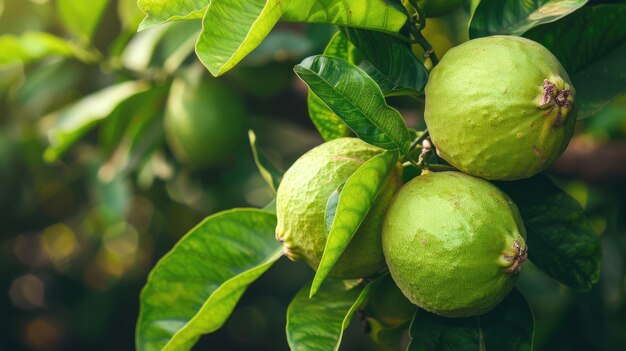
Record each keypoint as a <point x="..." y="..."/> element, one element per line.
<point x="317" y="324"/>
<point x="195" y="287"/>
<point x="372" y="14"/>
<point x="355" y="98"/>
<point x="355" y="200"/>
<point x="389" y="61"/>
<point x="508" y="327"/>
<point x="232" y="29"/>
<point x="513" y="17"/>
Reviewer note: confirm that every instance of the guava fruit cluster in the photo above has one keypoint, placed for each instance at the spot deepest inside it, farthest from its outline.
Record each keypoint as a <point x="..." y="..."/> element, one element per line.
<point x="497" y="108"/>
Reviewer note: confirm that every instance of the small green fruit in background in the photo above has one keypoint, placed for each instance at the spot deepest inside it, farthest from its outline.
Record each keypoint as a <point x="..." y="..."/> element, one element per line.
<point x="435" y="8"/>
<point x="204" y="120"/>
<point x="500" y="107"/>
<point x="301" y="204"/>
<point x="453" y="243"/>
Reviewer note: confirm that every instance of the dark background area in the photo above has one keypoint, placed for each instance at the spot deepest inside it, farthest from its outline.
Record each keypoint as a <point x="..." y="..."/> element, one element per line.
<point x="75" y="250"/>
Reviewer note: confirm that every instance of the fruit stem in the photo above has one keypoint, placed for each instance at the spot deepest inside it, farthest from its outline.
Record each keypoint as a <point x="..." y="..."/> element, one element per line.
<point x="420" y="164"/>
<point x="412" y="161"/>
<point x="429" y="52"/>
<point x="419" y="139"/>
<point x="417" y="22"/>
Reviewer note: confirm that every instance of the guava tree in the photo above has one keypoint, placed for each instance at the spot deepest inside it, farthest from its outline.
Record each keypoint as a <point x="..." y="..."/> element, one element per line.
<point x="421" y="232"/>
<point x="501" y="108"/>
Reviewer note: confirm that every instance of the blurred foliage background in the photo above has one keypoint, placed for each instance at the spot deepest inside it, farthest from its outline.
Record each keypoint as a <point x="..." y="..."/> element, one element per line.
<point x="99" y="177"/>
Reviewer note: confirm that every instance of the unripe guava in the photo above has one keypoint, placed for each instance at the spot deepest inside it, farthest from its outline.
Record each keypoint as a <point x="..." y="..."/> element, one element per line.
<point x="453" y="243"/>
<point x="388" y="306"/>
<point x="500" y="107"/>
<point x="204" y="120"/>
<point x="301" y="205"/>
<point x="443" y="33"/>
<point x="435" y="8"/>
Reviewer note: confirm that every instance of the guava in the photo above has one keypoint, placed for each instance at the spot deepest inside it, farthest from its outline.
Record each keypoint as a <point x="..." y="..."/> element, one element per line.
<point x="453" y="243"/>
<point x="444" y="33"/>
<point x="301" y="205"/>
<point x="204" y="120"/>
<point x="388" y="305"/>
<point x="500" y="107"/>
<point x="436" y="8"/>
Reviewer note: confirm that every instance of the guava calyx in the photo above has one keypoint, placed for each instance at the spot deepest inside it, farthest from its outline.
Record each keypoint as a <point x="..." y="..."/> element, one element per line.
<point x="516" y="259"/>
<point x="289" y="250"/>
<point x="556" y="101"/>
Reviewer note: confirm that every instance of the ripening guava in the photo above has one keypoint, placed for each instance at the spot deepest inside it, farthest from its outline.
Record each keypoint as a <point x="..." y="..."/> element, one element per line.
<point x="435" y="8"/>
<point x="500" y="107"/>
<point x="301" y="205"/>
<point x="453" y="243"/>
<point x="204" y="120"/>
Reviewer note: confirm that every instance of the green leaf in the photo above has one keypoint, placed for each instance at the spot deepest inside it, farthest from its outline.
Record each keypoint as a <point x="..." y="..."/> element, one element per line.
<point x="74" y="121"/>
<point x="140" y="49"/>
<point x="390" y="62"/>
<point x="164" y="47"/>
<point x="132" y="131"/>
<point x="129" y="14"/>
<point x="325" y="120"/>
<point x="508" y="327"/>
<point x="194" y="288"/>
<point x="331" y="208"/>
<point x="591" y="45"/>
<point x="561" y="240"/>
<point x="32" y="46"/>
<point x="368" y="14"/>
<point x="356" y="199"/>
<point x="270" y="174"/>
<point x="513" y="17"/>
<point x="355" y="98"/>
<point x="162" y="11"/>
<point x="232" y="29"/>
<point x="81" y="17"/>
<point x="601" y="84"/>
<point x="317" y="324"/>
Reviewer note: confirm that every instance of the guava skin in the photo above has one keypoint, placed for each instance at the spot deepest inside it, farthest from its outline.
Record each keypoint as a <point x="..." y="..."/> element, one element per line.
<point x="301" y="204"/>
<point x="500" y="108"/>
<point x="453" y="243"/>
<point x="435" y="8"/>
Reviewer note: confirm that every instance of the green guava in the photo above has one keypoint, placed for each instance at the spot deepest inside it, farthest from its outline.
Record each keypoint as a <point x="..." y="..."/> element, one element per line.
<point x="301" y="205"/>
<point x="204" y="120"/>
<point x="500" y="107"/>
<point x="453" y="243"/>
<point x="444" y="33"/>
<point x="436" y="8"/>
<point x="388" y="305"/>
